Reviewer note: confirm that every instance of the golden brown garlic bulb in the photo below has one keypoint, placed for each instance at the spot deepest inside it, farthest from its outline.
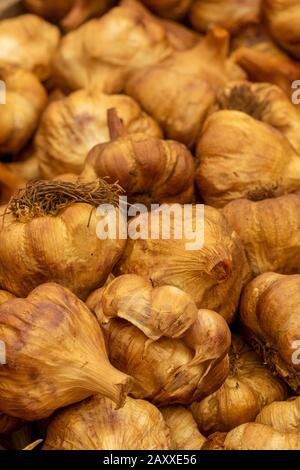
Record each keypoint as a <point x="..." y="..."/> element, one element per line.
<point x="284" y="416"/>
<point x="44" y="240"/>
<point x="55" y="355"/>
<point x="158" y="336"/>
<point x="71" y="126"/>
<point x="283" y="18"/>
<point x="96" y="424"/>
<point x="70" y="13"/>
<point x="184" y="431"/>
<point x="213" y="273"/>
<point x="250" y="147"/>
<point x="126" y="39"/>
<point x="148" y="169"/>
<point x="269" y="316"/>
<point x="180" y="37"/>
<point x="248" y="388"/>
<point x="29" y="42"/>
<point x="270" y="231"/>
<point x="179" y="91"/>
<point x="175" y="9"/>
<point x="25" y="99"/>
<point x="229" y="14"/>
<point x="263" y="61"/>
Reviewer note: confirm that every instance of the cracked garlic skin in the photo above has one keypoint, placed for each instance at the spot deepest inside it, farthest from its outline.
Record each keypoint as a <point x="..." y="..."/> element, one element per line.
<point x="26" y="98"/>
<point x="248" y="388"/>
<point x="174" y="9"/>
<point x="72" y="126"/>
<point x="126" y="39"/>
<point x="284" y="416"/>
<point x="270" y="245"/>
<point x="29" y="42"/>
<point x="55" y="355"/>
<point x="212" y="269"/>
<point x="249" y="148"/>
<point x="70" y="13"/>
<point x="149" y="169"/>
<point x="174" y="352"/>
<point x="282" y="17"/>
<point x="232" y="15"/>
<point x="96" y="424"/>
<point x="256" y="53"/>
<point x="184" y="431"/>
<point x="56" y="248"/>
<point x="269" y="316"/>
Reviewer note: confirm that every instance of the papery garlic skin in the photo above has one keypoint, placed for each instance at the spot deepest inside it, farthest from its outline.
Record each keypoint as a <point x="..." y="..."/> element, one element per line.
<point x="271" y="240"/>
<point x="95" y="424"/>
<point x="175" y="9"/>
<point x="72" y="126"/>
<point x="248" y="388"/>
<point x="284" y="416"/>
<point x="29" y="42"/>
<point x="55" y="355"/>
<point x="184" y="431"/>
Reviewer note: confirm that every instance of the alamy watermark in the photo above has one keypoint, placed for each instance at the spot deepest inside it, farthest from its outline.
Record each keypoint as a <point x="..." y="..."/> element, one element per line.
<point x="2" y="353"/>
<point x="296" y="92"/>
<point x="2" y="92"/>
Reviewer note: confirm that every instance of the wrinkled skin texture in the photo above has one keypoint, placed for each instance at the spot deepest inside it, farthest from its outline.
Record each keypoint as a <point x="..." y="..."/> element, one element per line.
<point x="270" y="244"/>
<point x="56" y="248"/>
<point x="25" y="100"/>
<point x="175" y="9"/>
<point x="250" y="147"/>
<point x="72" y="126"/>
<point x="213" y="275"/>
<point x="95" y="424"/>
<point x="249" y="387"/>
<point x="55" y="355"/>
<point x="229" y="14"/>
<point x="283" y="18"/>
<point x="184" y="430"/>
<point x="29" y="42"/>
<point x="269" y="315"/>
<point x="284" y="416"/>
<point x="158" y="336"/>
<point x="126" y="39"/>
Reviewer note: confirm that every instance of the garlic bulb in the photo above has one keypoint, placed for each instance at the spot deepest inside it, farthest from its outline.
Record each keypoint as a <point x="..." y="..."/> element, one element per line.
<point x="284" y="416"/>
<point x="148" y="169"/>
<point x="248" y="388"/>
<point x="29" y="42"/>
<point x="185" y="434"/>
<point x="46" y="239"/>
<point x="269" y="315"/>
<point x="4" y="296"/>
<point x="229" y="14"/>
<point x="24" y="102"/>
<point x="180" y="37"/>
<point x="179" y="91"/>
<point x="95" y="424"/>
<point x="175" y="9"/>
<point x="71" y="126"/>
<point x="59" y="358"/>
<point x="209" y="264"/>
<point x="283" y="18"/>
<point x="263" y="61"/>
<point x="126" y="39"/>
<point x="174" y="348"/>
<point x="249" y="148"/>
<point x="270" y="244"/>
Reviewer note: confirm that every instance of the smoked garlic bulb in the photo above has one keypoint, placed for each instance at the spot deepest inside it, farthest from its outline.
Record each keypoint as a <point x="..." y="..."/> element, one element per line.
<point x="71" y="126"/>
<point x="29" y="42"/>
<point x="175" y="9"/>
<point x="158" y="336"/>
<point x="126" y="39"/>
<point x="269" y="316"/>
<point x="55" y="355"/>
<point x="44" y="241"/>
<point x="250" y="147"/>
<point x="149" y="169"/>
<point x="25" y="99"/>
<point x="184" y="431"/>
<point x="284" y="416"/>
<point x="209" y="263"/>
<point x="270" y="244"/>
<point x="229" y="14"/>
<point x="249" y="387"/>
<point x="283" y="18"/>
<point x="96" y="424"/>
